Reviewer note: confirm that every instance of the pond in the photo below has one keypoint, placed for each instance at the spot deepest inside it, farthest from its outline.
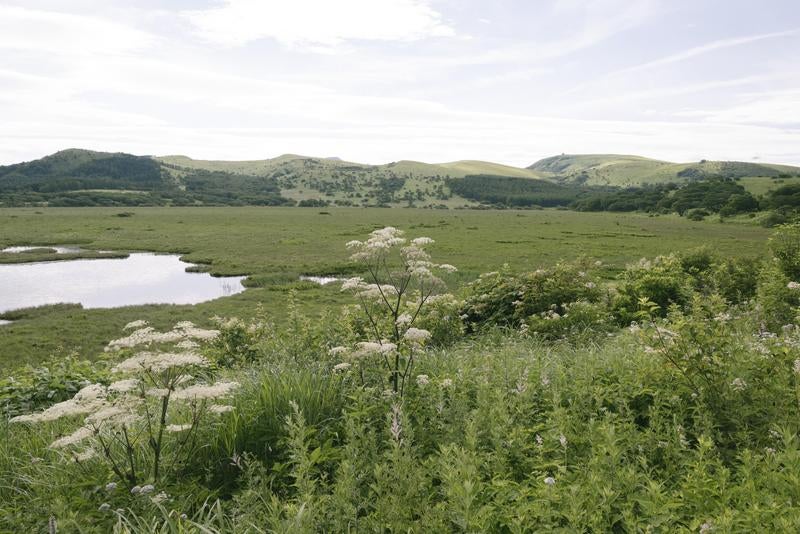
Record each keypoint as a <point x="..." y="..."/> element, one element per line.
<point x="141" y="278"/>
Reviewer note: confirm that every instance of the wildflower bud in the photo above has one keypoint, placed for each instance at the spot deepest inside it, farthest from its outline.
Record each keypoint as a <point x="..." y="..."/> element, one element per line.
<point x="549" y="481"/>
<point x="136" y="490"/>
<point x="147" y="488"/>
<point x="111" y="486"/>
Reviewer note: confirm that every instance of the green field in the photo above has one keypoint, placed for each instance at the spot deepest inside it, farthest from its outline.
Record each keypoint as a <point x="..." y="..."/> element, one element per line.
<point x="273" y="246"/>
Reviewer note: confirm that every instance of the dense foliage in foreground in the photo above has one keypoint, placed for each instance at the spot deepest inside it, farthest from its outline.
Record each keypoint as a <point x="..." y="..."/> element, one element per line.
<point x="666" y="401"/>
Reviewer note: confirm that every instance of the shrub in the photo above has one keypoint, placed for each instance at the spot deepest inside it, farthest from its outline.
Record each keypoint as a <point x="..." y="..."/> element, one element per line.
<point x="662" y="281"/>
<point x="785" y="247"/>
<point x="36" y="388"/>
<point x="777" y="297"/>
<point x="507" y="299"/>
<point x="576" y="320"/>
<point x="736" y="279"/>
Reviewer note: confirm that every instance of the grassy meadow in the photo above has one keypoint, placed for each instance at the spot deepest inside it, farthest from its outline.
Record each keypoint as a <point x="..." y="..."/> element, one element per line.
<point x="574" y="373"/>
<point x="274" y="246"/>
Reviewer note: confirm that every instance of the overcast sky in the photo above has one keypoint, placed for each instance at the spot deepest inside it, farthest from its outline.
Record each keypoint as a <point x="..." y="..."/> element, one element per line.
<point x="375" y="81"/>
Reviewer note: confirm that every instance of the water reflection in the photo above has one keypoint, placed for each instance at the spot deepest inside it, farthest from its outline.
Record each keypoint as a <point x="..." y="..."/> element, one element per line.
<point x="59" y="249"/>
<point x="110" y="283"/>
<point x="321" y="280"/>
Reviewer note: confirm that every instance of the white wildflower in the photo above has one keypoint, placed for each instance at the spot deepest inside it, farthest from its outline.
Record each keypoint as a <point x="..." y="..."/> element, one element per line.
<point x="205" y="391"/>
<point x="738" y="384"/>
<point x="563" y="440"/>
<point x="135" y="324"/>
<point x="111" y="486"/>
<point x="589" y="285"/>
<point x="796" y="366"/>
<point x="422" y="241"/>
<point x="136" y="490"/>
<point x="337" y="350"/>
<point x="147" y="488"/>
<point x="446" y="267"/>
<point x="539" y="440"/>
<point x="545" y="381"/>
<point x="351" y="284"/>
<point x="793" y="285"/>
<point x="87" y="400"/>
<point x="159" y="498"/>
<point x="88" y="454"/>
<point x="423" y="380"/>
<point x="123" y="386"/>
<point x="344" y="366"/>
<point x="187" y="344"/>
<point x="178" y="428"/>
<point x="403" y="319"/>
<point x="220" y="408"/>
<point x="368" y="348"/>
<point x="549" y="481"/>
<point x="157" y="392"/>
<point x="417" y="336"/>
<point x="114" y="416"/>
<point x="396" y="428"/>
<point x="105" y="507"/>
<point x="446" y="383"/>
<point x="706" y="527"/>
<point x="159" y="361"/>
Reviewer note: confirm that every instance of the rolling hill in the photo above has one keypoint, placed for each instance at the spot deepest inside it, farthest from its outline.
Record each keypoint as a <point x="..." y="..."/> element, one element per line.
<point x="77" y="177"/>
<point x="625" y="171"/>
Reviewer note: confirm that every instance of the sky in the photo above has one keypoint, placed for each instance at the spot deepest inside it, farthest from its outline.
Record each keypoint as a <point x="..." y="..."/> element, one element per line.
<point x="375" y="81"/>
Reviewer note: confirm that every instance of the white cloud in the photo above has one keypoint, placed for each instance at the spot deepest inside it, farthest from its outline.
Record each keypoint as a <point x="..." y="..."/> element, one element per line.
<point x="51" y="32"/>
<point x="706" y="49"/>
<point x="318" y="23"/>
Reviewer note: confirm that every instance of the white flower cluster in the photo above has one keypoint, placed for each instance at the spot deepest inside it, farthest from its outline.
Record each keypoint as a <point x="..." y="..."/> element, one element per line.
<point x="205" y="391"/>
<point x="417" y="336"/>
<point x="379" y="242"/>
<point x="148" y="335"/>
<point x="159" y="361"/>
<point x="85" y="401"/>
<point x="123" y="404"/>
<point x="369" y="348"/>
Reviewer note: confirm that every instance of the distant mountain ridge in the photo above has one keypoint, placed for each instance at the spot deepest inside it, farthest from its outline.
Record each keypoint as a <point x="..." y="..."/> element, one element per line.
<point x="85" y="177"/>
<point x="625" y="170"/>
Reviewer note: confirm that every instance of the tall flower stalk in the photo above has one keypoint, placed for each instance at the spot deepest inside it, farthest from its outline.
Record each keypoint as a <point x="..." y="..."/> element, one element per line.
<point x="401" y="279"/>
<point x="156" y="405"/>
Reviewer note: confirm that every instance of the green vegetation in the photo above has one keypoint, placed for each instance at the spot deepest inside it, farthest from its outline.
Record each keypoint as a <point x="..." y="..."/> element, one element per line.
<point x="716" y="195"/>
<point x="274" y="246"/>
<point x="85" y="178"/>
<point x="634" y="171"/>
<point x="513" y="192"/>
<point x="663" y="396"/>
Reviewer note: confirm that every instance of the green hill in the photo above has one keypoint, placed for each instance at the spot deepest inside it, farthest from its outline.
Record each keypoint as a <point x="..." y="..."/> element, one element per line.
<point x="625" y="171"/>
<point x="78" y="177"/>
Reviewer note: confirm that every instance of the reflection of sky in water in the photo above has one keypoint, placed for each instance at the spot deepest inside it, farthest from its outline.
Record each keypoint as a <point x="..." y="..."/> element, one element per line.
<point x="321" y="280"/>
<point x="58" y="249"/>
<point x="111" y="283"/>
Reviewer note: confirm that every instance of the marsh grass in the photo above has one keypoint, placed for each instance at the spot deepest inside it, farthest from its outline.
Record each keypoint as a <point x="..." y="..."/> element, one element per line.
<point x="273" y="246"/>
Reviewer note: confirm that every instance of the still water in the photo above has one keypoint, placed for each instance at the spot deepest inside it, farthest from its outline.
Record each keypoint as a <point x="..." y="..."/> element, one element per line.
<point x="110" y="283"/>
